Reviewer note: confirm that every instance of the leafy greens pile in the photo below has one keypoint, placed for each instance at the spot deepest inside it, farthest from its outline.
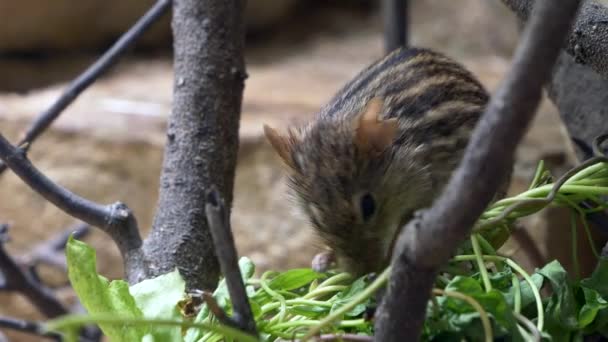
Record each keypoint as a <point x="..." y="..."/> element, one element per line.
<point x="479" y="295"/>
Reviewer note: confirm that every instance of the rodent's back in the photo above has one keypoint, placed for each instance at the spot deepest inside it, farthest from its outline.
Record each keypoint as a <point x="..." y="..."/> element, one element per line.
<point x="418" y="86"/>
<point x="436" y="101"/>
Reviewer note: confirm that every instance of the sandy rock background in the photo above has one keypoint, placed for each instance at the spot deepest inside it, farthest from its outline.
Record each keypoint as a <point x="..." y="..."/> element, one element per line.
<point x="108" y="145"/>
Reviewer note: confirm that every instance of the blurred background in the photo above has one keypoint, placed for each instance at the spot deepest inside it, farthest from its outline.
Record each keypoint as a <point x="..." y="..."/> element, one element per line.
<point x="108" y="145"/>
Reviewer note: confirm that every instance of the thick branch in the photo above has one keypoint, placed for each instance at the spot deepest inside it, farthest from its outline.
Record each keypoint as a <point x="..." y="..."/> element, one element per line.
<point x="202" y="136"/>
<point x="91" y="74"/>
<point x="588" y="40"/>
<point x="579" y="92"/>
<point x="223" y="241"/>
<point x="581" y="95"/>
<point x="431" y="237"/>
<point x="114" y="219"/>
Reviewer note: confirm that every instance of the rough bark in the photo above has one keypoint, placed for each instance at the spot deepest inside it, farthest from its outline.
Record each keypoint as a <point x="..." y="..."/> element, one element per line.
<point x="202" y="136"/>
<point x="428" y="241"/>
<point x="581" y="95"/>
<point x="579" y="83"/>
<point x="588" y="40"/>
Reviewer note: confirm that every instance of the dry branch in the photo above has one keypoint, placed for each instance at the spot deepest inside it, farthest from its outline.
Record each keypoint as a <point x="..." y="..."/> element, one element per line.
<point x="428" y="241"/>
<point x="579" y="82"/>
<point x="588" y="40"/>
<point x="21" y="280"/>
<point x="91" y="74"/>
<point x="51" y="252"/>
<point x="114" y="219"/>
<point x="29" y="327"/>
<point x="202" y="136"/>
<point x="394" y="16"/>
<point x="581" y="95"/>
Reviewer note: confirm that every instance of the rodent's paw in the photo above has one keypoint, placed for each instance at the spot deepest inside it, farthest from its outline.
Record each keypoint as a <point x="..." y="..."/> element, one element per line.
<point x="323" y="261"/>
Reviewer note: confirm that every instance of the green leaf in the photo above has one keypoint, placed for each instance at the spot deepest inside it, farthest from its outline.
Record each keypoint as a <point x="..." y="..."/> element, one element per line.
<point x="593" y="316"/>
<point x="593" y="304"/>
<point x="599" y="324"/>
<point x="599" y="278"/>
<point x="462" y="317"/>
<point x="98" y="295"/>
<point x="157" y="298"/>
<point x="527" y="296"/>
<point x="294" y="279"/>
<point x="309" y="311"/>
<point x="347" y="295"/>
<point x="247" y="268"/>
<point x="561" y="309"/>
<point x="501" y="280"/>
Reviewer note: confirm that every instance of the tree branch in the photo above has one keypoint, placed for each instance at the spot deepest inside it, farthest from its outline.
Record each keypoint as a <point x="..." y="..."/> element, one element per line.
<point x="91" y="74"/>
<point x="30" y="327"/>
<point x="581" y="95"/>
<point x="202" y="136"/>
<point x="115" y="219"/>
<point x="19" y="280"/>
<point x="578" y="91"/>
<point x="223" y="241"/>
<point x="433" y="235"/>
<point x="51" y="252"/>
<point x="588" y="40"/>
<point x="394" y="15"/>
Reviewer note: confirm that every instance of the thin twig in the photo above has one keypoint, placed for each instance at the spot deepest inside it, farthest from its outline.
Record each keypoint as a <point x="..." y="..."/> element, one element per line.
<point x="50" y="252"/>
<point x="429" y="240"/>
<point x="395" y="15"/>
<point x="219" y="225"/>
<point x="21" y="277"/>
<point x="19" y="280"/>
<point x="116" y="219"/>
<point x="215" y="309"/>
<point x="29" y="327"/>
<point x="91" y="74"/>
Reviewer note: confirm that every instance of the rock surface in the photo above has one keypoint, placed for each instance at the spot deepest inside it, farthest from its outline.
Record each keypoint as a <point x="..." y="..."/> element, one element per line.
<point x="33" y="25"/>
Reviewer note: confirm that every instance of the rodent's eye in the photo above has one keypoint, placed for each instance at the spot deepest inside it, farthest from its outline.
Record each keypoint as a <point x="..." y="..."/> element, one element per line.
<point x="368" y="207"/>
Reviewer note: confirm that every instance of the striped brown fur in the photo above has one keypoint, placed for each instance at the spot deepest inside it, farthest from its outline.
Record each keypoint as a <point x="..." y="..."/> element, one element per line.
<point x="432" y="102"/>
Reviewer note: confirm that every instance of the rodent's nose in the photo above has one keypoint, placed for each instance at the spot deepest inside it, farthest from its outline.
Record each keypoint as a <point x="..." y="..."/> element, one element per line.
<point x="363" y="261"/>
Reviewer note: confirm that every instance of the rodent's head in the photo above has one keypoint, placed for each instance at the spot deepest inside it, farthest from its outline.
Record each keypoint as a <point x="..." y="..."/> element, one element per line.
<point x="345" y="178"/>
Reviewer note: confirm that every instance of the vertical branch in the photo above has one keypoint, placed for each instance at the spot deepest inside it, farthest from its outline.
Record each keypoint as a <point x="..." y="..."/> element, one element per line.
<point x="431" y="237"/>
<point x="202" y="136"/>
<point x="394" y="16"/>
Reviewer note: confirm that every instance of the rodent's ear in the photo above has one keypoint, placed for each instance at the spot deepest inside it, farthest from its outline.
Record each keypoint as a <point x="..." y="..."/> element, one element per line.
<point x="373" y="134"/>
<point x="281" y="144"/>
